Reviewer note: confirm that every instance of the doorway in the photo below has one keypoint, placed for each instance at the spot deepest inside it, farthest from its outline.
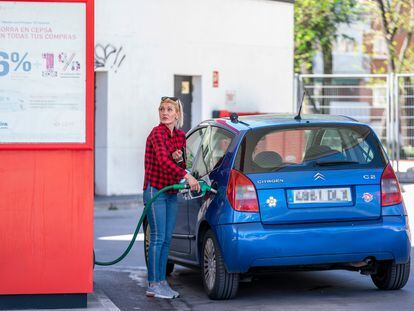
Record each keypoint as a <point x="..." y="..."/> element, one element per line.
<point x="183" y="89"/>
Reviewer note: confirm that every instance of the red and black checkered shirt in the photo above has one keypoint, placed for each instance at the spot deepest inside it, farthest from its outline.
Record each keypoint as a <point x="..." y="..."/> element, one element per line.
<point x="160" y="168"/>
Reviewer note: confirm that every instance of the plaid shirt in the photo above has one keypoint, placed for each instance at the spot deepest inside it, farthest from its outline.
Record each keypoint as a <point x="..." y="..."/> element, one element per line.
<point x="160" y="168"/>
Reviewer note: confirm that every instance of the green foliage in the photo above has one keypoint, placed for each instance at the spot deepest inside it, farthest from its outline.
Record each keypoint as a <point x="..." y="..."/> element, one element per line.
<point x="407" y="152"/>
<point x="396" y="24"/>
<point x="316" y="24"/>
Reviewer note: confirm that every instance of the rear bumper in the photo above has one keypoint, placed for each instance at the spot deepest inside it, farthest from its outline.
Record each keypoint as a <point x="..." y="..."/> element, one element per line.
<point x="249" y="245"/>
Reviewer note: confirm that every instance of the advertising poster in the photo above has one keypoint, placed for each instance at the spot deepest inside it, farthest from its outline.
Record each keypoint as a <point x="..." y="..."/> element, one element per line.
<point x="42" y="72"/>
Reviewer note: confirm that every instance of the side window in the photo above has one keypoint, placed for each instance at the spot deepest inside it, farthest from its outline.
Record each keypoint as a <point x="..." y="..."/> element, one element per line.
<point x="366" y="149"/>
<point x="220" y="142"/>
<point x="213" y="148"/>
<point x="332" y="139"/>
<point x="200" y="168"/>
<point x="193" y="143"/>
<point x="357" y="147"/>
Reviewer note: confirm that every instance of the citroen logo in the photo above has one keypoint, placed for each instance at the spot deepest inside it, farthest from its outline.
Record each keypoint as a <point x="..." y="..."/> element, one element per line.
<point x="318" y="176"/>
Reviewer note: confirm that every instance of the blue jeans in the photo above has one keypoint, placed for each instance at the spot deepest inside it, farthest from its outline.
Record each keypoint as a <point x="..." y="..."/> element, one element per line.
<point x="161" y="218"/>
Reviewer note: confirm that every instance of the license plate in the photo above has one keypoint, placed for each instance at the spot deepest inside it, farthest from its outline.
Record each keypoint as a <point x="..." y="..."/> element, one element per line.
<point x="325" y="195"/>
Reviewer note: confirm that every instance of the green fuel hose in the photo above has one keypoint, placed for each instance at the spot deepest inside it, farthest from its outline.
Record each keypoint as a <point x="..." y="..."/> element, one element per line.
<point x="203" y="189"/>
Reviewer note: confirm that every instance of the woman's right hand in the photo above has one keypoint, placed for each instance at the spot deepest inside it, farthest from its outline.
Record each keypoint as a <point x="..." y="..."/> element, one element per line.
<point x="192" y="182"/>
<point x="177" y="156"/>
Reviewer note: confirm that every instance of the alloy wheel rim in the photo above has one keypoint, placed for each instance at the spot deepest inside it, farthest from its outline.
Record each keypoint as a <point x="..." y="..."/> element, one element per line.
<point x="209" y="264"/>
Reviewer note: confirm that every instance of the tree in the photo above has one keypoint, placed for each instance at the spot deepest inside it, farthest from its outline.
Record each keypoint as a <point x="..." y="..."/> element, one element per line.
<point x="316" y="29"/>
<point x="397" y="26"/>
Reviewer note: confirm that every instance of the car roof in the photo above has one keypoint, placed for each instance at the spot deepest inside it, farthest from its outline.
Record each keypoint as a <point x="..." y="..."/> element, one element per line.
<point x="264" y="120"/>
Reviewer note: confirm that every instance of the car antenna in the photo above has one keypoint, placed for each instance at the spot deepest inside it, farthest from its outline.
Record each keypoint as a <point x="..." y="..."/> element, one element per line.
<point x="298" y="117"/>
<point x="234" y="118"/>
<point x="305" y="92"/>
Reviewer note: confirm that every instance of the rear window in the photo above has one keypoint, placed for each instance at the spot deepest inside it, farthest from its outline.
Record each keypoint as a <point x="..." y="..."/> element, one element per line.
<point x="309" y="148"/>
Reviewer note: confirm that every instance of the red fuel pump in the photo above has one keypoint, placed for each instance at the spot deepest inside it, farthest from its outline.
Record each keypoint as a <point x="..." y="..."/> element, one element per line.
<point x="46" y="153"/>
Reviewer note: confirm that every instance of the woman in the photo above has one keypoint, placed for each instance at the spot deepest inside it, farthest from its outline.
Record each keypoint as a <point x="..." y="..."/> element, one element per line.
<point x="164" y="166"/>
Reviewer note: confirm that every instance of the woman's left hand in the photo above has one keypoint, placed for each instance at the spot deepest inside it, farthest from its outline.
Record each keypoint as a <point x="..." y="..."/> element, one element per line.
<point x="177" y="155"/>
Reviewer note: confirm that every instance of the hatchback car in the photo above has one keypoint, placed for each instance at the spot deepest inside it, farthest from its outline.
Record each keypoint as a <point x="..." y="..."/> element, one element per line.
<point x="312" y="194"/>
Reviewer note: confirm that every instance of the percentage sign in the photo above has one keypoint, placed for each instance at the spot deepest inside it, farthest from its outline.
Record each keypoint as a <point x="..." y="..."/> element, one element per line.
<point x="15" y="58"/>
<point x="67" y="63"/>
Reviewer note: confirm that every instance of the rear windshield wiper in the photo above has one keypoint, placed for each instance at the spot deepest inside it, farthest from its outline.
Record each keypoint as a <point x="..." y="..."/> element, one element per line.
<point x="323" y="163"/>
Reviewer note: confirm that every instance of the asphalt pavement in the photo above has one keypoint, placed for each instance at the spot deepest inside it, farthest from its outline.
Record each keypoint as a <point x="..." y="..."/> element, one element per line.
<point x="124" y="283"/>
<point x="122" y="286"/>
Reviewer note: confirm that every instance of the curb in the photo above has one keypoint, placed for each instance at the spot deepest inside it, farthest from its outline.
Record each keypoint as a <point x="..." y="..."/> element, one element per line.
<point x="116" y="202"/>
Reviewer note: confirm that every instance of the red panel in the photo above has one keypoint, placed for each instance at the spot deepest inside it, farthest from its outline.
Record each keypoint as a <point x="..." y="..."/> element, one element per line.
<point x="46" y="206"/>
<point x="46" y="222"/>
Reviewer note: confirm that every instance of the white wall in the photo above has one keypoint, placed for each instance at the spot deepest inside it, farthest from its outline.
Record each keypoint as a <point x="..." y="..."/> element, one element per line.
<point x="250" y="43"/>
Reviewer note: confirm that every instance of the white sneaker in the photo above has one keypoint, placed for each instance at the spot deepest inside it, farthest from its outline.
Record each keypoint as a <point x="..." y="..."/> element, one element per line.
<point x="150" y="291"/>
<point x="159" y="291"/>
<point x="168" y="288"/>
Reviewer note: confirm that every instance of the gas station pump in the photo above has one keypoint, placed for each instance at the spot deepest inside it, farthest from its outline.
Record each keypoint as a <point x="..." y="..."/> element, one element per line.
<point x="46" y="153"/>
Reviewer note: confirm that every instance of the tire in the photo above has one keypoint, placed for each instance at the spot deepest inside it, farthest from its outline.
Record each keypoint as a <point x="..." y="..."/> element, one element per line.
<point x="218" y="283"/>
<point x="170" y="265"/>
<point x="391" y="276"/>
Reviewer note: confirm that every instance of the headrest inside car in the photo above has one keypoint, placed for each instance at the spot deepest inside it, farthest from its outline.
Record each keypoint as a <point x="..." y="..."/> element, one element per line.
<point x="268" y="159"/>
<point x="316" y="152"/>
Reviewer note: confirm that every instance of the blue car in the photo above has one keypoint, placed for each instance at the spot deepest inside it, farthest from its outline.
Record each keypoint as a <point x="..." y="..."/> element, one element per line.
<point x="317" y="193"/>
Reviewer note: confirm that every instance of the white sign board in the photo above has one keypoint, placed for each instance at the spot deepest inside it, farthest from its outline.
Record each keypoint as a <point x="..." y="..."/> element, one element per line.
<point x="42" y="72"/>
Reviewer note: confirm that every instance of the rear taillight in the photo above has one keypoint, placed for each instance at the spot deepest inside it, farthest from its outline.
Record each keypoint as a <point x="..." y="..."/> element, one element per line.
<point x="390" y="188"/>
<point x="242" y="193"/>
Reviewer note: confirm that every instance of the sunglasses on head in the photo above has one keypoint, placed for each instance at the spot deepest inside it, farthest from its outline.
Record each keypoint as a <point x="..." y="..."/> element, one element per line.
<point x="168" y="97"/>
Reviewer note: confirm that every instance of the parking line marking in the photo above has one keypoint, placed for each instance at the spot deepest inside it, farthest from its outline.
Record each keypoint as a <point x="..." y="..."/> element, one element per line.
<point x="125" y="237"/>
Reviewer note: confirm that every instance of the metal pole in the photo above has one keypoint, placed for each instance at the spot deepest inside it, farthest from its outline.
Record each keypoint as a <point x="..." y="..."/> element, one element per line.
<point x="299" y="95"/>
<point x="295" y="92"/>
<point x="397" y="119"/>
<point x="344" y="76"/>
<point x="388" y="118"/>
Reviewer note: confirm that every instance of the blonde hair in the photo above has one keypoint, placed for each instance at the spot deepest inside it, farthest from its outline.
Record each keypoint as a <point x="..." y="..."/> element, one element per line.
<point x="178" y="108"/>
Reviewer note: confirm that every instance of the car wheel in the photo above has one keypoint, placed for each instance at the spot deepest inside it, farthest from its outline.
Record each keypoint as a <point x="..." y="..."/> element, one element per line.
<point x="170" y="265"/>
<point x="218" y="283"/>
<point x="391" y="276"/>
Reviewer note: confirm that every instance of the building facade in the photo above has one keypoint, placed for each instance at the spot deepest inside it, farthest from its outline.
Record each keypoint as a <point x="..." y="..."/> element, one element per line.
<point x="234" y="55"/>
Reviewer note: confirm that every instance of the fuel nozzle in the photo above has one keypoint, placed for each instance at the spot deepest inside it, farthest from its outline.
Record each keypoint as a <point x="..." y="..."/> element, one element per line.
<point x="181" y="186"/>
<point x="204" y="188"/>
